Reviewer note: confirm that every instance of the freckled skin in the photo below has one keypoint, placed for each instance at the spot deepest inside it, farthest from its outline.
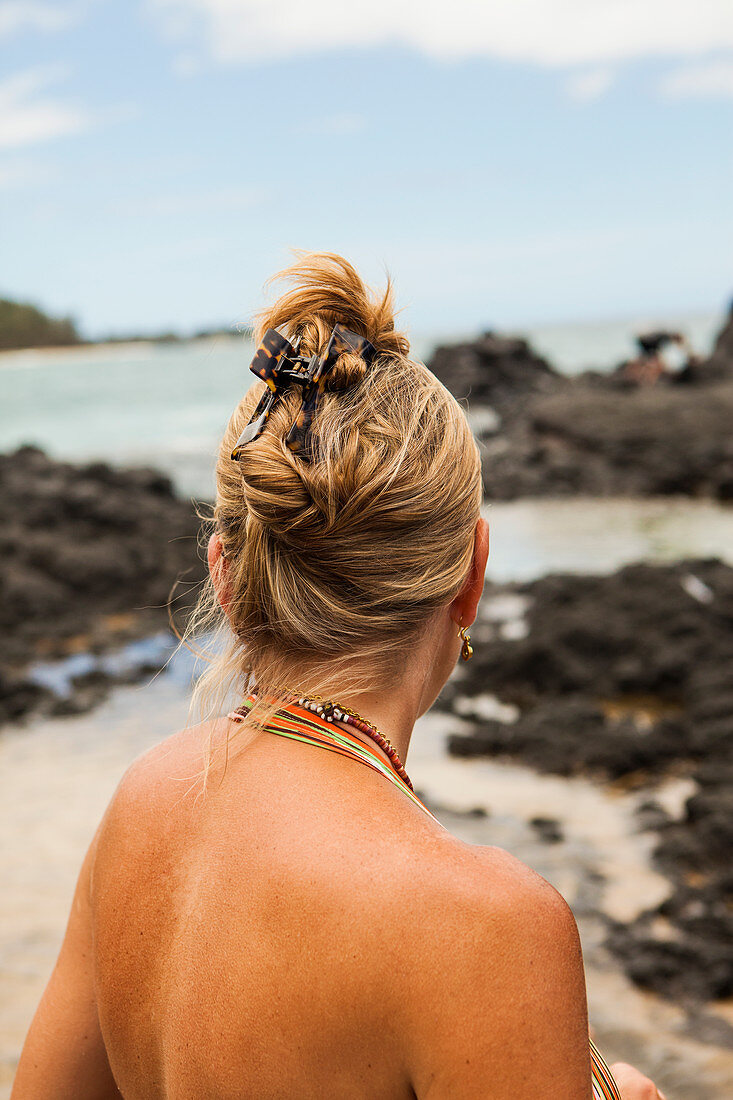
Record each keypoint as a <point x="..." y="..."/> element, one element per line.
<point x="301" y="929"/>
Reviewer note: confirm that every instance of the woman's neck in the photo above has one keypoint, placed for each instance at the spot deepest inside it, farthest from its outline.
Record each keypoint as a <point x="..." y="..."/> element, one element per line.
<point x="392" y="713"/>
<point x="394" y="709"/>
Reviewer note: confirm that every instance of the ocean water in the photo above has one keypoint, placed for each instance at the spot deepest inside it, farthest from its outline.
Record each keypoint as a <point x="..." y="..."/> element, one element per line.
<point x="167" y="405"/>
<point x="141" y="404"/>
<point x="602" y="345"/>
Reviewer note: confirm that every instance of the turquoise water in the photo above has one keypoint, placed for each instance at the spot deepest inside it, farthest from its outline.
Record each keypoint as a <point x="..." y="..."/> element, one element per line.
<point x="144" y="404"/>
<point x="167" y="405"/>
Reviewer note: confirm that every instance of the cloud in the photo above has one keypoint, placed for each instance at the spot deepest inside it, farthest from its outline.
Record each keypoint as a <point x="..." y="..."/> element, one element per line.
<point x="187" y="64"/>
<point x="591" y="84"/>
<point x="557" y="33"/>
<point x="20" y="173"/>
<point x="28" y="117"/>
<point x="713" y="79"/>
<point x="20" y="15"/>
<point x="199" y="204"/>
<point x="339" y="124"/>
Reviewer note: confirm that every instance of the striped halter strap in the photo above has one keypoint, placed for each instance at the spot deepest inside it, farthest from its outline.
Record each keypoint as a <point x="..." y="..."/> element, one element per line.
<point x="604" y="1086"/>
<point x="299" y="724"/>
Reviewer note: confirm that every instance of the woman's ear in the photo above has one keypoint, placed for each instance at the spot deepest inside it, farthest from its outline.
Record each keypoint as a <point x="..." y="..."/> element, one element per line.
<point x="465" y="605"/>
<point x="218" y="569"/>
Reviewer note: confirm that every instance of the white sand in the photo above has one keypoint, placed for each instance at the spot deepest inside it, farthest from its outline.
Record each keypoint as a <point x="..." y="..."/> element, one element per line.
<point x="57" y="776"/>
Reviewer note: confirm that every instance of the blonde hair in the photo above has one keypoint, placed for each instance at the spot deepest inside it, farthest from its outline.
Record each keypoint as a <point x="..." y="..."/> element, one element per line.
<point x="331" y="566"/>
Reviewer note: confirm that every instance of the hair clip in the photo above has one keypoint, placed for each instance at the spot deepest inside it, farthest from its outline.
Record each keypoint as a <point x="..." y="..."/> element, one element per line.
<point x="280" y="366"/>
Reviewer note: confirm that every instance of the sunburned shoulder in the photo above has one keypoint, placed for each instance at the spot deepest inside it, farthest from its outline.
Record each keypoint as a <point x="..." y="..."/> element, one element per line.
<point x="161" y="777"/>
<point x="483" y="887"/>
<point x="454" y="888"/>
<point x="493" y="965"/>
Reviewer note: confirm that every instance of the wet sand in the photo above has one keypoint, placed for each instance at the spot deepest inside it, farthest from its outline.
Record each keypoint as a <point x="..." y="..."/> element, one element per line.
<point x="56" y="776"/>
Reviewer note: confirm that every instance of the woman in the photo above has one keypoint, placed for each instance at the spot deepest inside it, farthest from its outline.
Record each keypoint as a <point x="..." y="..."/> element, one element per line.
<point x="257" y="917"/>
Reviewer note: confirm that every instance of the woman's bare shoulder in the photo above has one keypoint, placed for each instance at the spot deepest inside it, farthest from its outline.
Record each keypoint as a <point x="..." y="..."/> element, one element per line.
<point x="454" y="887"/>
<point x="487" y="884"/>
<point x="495" y="948"/>
<point x="166" y="774"/>
<point x="490" y="915"/>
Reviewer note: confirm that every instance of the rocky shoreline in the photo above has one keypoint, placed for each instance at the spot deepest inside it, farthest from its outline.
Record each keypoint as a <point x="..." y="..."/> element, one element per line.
<point x="626" y="678"/>
<point x="90" y="555"/>
<point x="544" y="434"/>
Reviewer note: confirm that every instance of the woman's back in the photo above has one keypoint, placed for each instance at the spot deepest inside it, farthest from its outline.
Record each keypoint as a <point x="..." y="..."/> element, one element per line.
<point x="299" y="926"/>
<point x="292" y="931"/>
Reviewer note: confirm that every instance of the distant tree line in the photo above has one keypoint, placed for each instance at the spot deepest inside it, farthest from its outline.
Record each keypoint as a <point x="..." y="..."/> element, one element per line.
<point x="174" y="337"/>
<point x="23" y="325"/>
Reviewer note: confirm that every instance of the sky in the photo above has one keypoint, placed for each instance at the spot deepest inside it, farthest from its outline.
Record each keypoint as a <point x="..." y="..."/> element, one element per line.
<point x="509" y="162"/>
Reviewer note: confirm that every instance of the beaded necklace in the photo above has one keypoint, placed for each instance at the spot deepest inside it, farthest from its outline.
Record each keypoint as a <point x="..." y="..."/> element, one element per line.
<point x="296" y="723"/>
<point x="330" y="712"/>
<point x="304" y="723"/>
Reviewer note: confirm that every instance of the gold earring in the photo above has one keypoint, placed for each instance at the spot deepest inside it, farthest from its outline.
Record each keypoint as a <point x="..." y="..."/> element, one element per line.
<point x="466" y="648"/>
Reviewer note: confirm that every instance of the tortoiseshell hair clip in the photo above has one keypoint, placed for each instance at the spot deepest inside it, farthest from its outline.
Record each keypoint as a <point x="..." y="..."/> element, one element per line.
<point x="280" y="366"/>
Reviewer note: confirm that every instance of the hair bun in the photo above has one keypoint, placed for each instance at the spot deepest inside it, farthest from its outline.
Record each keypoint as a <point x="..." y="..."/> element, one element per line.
<point x="335" y="566"/>
<point x="348" y="370"/>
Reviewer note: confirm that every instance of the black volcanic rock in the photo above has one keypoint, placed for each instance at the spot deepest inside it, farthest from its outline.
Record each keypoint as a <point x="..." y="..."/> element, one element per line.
<point x="629" y="677"/>
<point x="89" y="557"/>
<point x="656" y="638"/>
<point x="720" y="363"/>
<point x="496" y="370"/>
<point x="594" y="435"/>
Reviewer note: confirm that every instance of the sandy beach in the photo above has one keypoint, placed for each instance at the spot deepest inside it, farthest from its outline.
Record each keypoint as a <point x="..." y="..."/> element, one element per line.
<point x="56" y="776"/>
<point x="130" y="531"/>
<point x="521" y="204"/>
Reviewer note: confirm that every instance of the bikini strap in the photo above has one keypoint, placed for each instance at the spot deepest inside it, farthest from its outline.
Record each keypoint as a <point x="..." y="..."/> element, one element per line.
<point x="302" y="725"/>
<point x="604" y="1086"/>
<point x="305" y="726"/>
